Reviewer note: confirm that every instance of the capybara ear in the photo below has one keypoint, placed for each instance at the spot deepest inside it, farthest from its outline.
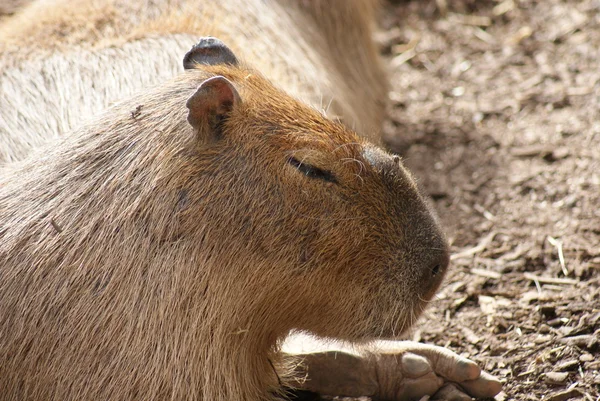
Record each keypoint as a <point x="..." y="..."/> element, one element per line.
<point x="209" y="51"/>
<point x="211" y="104"/>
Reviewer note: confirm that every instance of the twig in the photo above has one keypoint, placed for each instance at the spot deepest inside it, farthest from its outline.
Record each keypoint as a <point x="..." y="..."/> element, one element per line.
<point x="561" y="257"/>
<point x="484" y="212"/>
<point x="475" y="20"/>
<point x="550" y="280"/>
<point x="503" y="8"/>
<point x="486" y="273"/>
<point x="476" y="249"/>
<point x="403" y="58"/>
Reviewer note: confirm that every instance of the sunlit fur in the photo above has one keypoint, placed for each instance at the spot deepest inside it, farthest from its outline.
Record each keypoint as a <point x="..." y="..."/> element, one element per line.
<point x="140" y="260"/>
<point x="63" y="61"/>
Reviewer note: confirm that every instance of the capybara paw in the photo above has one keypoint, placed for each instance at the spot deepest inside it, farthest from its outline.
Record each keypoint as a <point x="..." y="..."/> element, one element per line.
<point x="410" y="371"/>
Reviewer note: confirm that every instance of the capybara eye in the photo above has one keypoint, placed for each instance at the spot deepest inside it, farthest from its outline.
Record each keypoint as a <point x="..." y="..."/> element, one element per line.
<point x="312" y="171"/>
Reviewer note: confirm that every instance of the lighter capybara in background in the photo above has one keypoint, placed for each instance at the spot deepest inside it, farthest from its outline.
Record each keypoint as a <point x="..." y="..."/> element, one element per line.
<point x="62" y="61"/>
<point x="164" y="250"/>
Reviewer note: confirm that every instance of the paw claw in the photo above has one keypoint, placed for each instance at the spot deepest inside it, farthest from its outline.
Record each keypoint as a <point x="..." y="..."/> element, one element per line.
<point x="466" y="369"/>
<point x="484" y="386"/>
<point x="451" y="393"/>
<point x="415" y="388"/>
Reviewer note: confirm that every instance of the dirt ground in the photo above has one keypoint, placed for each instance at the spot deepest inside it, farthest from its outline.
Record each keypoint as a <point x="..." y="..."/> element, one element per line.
<point x="496" y="109"/>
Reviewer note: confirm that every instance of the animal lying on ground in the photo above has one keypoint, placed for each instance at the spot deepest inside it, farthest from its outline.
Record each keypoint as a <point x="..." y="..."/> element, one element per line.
<point x="153" y="256"/>
<point x="55" y="88"/>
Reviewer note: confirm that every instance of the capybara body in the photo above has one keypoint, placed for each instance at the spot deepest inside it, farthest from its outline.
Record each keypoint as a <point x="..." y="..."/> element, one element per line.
<point x="150" y="256"/>
<point x="63" y="61"/>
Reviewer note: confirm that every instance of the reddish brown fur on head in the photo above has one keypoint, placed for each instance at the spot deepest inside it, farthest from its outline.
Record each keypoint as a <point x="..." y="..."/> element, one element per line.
<point x="335" y="212"/>
<point x="141" y="260"/>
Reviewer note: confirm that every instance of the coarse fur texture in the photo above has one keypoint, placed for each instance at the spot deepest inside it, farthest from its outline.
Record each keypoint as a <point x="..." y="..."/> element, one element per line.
<point x="131" y="269"/>
<point x="63" y="61"/>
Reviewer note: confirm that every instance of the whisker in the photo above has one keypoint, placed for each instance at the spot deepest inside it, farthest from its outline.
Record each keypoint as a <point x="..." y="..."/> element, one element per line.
<point x="351" y="159"/>
<point x="328" y="104"/>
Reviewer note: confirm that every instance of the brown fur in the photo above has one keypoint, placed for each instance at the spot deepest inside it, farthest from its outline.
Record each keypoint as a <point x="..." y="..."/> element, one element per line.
<point x="141" y="261"/>
<point x="64" y="60"/>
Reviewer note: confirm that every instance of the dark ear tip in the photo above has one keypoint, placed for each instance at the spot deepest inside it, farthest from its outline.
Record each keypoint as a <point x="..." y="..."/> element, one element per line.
<point x="209" y="51"/>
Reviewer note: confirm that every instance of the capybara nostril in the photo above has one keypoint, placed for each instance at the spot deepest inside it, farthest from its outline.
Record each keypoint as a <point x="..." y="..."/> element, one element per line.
<point x="434" y="273"/>
<point x="435" y="270"/>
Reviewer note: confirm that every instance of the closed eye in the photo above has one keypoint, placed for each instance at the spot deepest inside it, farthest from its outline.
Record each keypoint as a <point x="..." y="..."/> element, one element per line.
<point x="312" y="171"/>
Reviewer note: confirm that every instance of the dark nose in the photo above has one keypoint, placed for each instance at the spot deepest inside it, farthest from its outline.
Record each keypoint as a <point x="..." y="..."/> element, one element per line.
<point x="434" y="272"/>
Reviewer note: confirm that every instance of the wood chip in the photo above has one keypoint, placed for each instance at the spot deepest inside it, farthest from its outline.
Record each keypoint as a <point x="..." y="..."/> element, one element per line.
<point x="550" y="280"/>
<point x="523" y="33"/>
<point x="559" y="321"/>
<point x="475" y="20"/>
<point x="580" y="91"/>
<point x="556" y="377"/>
<point x="557" y="154"/>
<point x="565" y="395"/>
<point x="532" y="150"/>
<point x="568" y="365"/>
<point x="581" y="341"/>
<point x="403" y="58"/>
<point x="470" y="335"/>
<point x="486" y="273"/>
<point x="503" y="8"/>
<point x="483" y="244"/>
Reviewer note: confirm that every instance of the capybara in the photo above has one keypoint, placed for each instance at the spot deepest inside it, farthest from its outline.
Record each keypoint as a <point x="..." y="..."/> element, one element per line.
<point x="163" y="250"/>
<point x="63" y="61"/>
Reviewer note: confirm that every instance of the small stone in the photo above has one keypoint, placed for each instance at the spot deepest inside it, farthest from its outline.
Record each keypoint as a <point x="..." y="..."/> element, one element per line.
<point x="560" y="153"/>
<point x="586" y="358"/>
<point x="458" y="91"/>
<point x="501" y="396"/>
<point x="556" y="377"/>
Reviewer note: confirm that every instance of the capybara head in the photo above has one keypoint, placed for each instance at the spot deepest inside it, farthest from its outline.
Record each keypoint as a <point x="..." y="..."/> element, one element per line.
<point x="336" y="228"/>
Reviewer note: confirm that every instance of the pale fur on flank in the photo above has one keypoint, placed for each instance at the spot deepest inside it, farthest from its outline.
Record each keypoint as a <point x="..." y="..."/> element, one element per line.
<point x="63" y="61"/>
